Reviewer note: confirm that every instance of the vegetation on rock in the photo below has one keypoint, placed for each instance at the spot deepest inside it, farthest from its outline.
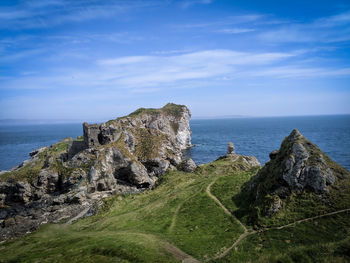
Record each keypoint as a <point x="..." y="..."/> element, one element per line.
<point x="170" y="109"/>
<point x="270" y="189"/>
<point x="179" y="213"/>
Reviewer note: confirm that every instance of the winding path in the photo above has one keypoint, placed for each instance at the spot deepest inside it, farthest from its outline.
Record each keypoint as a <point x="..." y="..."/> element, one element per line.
<point x="247" y="232"/>
<point x="307" y="219"/>
<point x="173" y="221"/>
<point x="221" y="205"/>
<point x="179" y="254"/>
<point x="241" y="237"/>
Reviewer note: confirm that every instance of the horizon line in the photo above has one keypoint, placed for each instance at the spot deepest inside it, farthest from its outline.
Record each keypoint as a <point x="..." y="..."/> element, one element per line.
<point x="71" y="121"/>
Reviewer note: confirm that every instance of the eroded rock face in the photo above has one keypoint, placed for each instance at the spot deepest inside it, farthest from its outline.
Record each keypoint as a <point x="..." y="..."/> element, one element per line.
<point x="297" y="166"/>
<point x="300" y="171"/>
<point x="168" y="133"/>
<point x="126" y="155"/>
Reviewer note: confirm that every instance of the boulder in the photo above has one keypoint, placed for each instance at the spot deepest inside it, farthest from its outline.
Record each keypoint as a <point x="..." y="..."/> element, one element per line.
<point x="188" y="166"/>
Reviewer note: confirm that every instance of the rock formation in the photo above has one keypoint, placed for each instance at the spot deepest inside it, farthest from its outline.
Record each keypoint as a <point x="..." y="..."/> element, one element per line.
<point x="187" y="165"/>
<point x="230" y="148"/>
<point x="125" y="155"/>
<point x="246" y="162"/>
<point x="298" y="166"/>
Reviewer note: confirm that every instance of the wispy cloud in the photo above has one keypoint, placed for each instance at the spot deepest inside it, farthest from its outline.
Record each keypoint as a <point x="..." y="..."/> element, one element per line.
<point x="235" y="30"/>
<point x="189" y="3"/>
<point x="66" y="52"/>
<point x="327" y="30"/>
<point x="153" y="72"/>
<point x="35" y="14"/>
<point x="150" y="71"/>
<point x="224" y="22"/>
<point x="302" y="72"/>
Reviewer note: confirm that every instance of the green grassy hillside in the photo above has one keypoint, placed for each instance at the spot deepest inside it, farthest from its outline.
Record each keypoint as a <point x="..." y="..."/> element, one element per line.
<point x="188" y="216"/>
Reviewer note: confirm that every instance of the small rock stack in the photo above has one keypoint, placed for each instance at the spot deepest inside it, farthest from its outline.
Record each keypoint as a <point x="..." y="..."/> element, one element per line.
<point x="230" y="149"/>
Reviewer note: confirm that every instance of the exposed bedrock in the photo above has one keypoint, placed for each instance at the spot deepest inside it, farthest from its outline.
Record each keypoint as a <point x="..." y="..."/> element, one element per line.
<point x="125" y="155"/>
<point x="298" y="166"/>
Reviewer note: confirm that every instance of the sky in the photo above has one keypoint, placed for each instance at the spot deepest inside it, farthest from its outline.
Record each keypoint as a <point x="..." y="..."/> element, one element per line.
<point x="97" y="60"/>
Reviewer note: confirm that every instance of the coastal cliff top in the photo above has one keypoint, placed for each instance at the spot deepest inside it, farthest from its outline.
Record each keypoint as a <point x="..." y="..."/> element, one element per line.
<point x="170" y="109"/>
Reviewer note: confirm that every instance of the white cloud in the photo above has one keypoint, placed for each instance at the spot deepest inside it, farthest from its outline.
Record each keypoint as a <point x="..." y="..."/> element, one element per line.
<point x="140" y="74"/>
<point x="327" y="30"/>
<point x="336" y="20"/>
<point x="302" y="72"/>
<point x="123" y="79"/>
<point x="189" y="3"/>
<point x="125" y="60"/>
<point x="149" y="71"/>
<point x="227" y="21"/>
<point x="34" y="14"/>
<point x="235" y="30"/>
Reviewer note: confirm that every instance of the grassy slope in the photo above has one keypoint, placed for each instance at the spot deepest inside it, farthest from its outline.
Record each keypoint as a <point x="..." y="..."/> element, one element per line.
<point x="321" y="240"/>
<point x="136" y="228"/>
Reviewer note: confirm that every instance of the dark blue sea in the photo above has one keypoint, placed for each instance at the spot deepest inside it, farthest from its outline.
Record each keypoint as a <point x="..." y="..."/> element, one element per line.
<point x="251" y="136"/>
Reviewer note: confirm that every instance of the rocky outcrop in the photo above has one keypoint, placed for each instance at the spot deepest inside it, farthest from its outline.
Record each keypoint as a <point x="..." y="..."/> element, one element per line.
<point x="187" y="165"/>
<point x="298" y="166"/>
<point x="303" y="165"/>
<point x="125" y="155"/>
<point x="241" y="162"/>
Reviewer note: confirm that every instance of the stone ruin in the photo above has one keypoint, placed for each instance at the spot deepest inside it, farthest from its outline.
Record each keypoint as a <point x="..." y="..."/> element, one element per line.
<point x="91" y="133"/>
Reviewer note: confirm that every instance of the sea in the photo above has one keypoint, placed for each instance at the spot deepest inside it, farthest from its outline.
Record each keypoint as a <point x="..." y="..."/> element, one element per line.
<point x="251" y="136"/>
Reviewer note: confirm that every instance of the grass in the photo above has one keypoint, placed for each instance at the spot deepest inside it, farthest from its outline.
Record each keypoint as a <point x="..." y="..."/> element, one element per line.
<point x="80" y="138"/>
<point x="231" y="184"/>
<point x="139" y="228"/>
<point x="122" y="246"/>
<point x="169" y="109"/>
<point x="144" y="111"/>
<point x="148" y="144"/>
<point x="322" y="240"/>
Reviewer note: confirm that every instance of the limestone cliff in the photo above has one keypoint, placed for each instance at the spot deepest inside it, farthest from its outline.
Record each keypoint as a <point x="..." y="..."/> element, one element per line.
<point x="65" y="180"/>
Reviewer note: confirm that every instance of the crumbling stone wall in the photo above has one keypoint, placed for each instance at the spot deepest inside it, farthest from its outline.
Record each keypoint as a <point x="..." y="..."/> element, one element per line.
<point x="74" y="147"/>
<point x="91" y="132"/>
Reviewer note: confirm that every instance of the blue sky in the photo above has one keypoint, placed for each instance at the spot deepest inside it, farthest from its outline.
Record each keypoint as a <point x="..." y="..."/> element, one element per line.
<point x="96" y="60"/>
